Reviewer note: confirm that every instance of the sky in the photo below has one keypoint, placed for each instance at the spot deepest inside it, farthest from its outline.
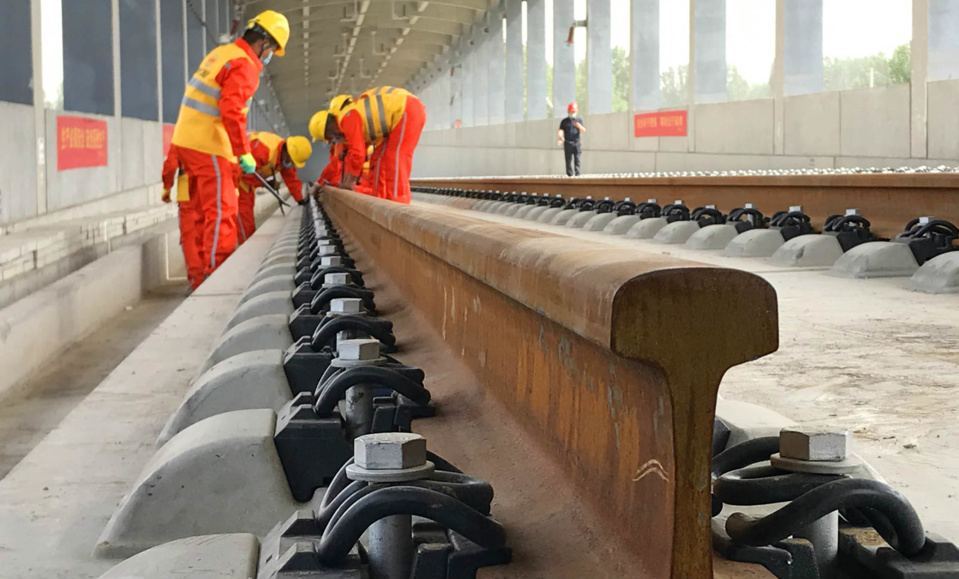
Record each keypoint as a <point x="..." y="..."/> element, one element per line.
<point x="851" y="28"/>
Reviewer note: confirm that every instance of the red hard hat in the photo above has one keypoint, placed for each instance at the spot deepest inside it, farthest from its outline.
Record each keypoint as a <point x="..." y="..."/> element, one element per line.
<point x="572" y="108"/>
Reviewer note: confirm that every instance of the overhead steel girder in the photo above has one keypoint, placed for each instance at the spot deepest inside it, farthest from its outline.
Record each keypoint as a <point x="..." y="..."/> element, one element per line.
<point x="296" y="6"/>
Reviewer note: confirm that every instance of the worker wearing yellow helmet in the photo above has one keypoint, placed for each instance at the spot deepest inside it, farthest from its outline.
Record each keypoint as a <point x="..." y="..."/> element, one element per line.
<point x="333" y="171"/>
<point x="210" y="131"/>
<point x="273" y="155"/>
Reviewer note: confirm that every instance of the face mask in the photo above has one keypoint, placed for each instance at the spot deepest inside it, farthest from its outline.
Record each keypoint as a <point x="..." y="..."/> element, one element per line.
<point x="266" y="60"/>
<point x="571" y="115"/>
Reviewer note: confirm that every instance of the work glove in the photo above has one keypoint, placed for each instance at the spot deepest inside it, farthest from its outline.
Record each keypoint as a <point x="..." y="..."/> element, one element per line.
<point x="247" y="163"/>
<point x="166" y="196"/>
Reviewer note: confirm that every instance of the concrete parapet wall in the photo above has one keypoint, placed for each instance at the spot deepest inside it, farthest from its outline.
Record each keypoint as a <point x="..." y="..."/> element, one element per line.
<point x="864" y="127"/>
<point x="35" y="328"/>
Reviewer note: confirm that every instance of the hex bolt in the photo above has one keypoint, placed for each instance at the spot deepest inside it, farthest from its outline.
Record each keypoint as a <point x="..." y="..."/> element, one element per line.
<point x="358" y="349"/>
<point x="331" y="260"/>
<point x="389" y="450"/>
<point x="327" y="250"/>
<point x="391" y="538"/>
<point x="813" y="445"/>
<point x="336" y="279"/>
<point x="346" y="305"/>
<point x="358" y="415"/>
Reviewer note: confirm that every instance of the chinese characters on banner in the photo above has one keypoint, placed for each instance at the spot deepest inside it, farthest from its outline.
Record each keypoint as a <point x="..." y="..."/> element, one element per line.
<point x="81" y="142"/>
<point x="660" y="124"/>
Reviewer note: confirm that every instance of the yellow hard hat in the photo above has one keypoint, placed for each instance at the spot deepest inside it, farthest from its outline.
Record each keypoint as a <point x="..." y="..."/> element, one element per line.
<point x="318" y="125"/>
<point x="299" y="149"/>
<point x="276" y="25"/>
<point x="340" y="101"/>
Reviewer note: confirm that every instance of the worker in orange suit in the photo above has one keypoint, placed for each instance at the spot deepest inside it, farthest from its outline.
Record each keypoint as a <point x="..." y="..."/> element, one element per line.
<point x="211" y="127"/>
<point x="191" y="218"/>
<point x="273" y="154"/>
<point x="391" y="119"/>
<point x="334" y="167"/>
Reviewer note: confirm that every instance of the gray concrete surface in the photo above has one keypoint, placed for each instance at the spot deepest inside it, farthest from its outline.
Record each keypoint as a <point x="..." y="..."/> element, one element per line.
<point x="868" y="356"/>
<point x="55" y="503"/>
<point x="36" y="408"/>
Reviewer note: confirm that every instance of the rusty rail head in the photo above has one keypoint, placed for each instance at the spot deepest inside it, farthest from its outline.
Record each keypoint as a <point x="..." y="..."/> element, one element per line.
<point x="684" y="324"/>
<point x="888" y="201"/>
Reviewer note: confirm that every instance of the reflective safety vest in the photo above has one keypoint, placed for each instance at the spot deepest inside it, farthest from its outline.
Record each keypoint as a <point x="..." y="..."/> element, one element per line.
<point x="272" y="142"/>
<point x="380" y="110"/>
<point x="182" y="187"/>
<point x="199" y="125"/>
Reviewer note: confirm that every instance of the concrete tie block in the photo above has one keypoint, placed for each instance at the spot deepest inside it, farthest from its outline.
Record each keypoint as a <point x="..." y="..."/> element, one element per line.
<point x="580" y="219"/>
<point x="270" y="284"/>
<point x="599" y="222"/>
<point x="263" y="333"/>
<point x="646" y="228"/>
<point x="620" y="225"/>
<point x="548" y="215"/>
<point x="676" y="232"/>
<point x="270" y="303"/>
<point x="755" y="243"/>
<point x="274" y="270"/>
<point x="939" y="275"/>
<point x="562" y="217"/>
<point x="534" y="213"/>
<point x="876" y="259"/>
<point x="715" y="236"/>
<point x="232" y="556"/>
<point x="221" y="475"/>
<point x="243" y="382"/>
<point x="808" y="251"/>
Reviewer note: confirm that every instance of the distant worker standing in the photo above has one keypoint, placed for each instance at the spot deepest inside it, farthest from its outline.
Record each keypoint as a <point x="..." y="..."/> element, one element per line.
<point x="391" y="119"/>
<point x="569" y="131"/>
<point x="191" y="218"/>
<point x="211" y="127"/>
<point x="273" y="155"/>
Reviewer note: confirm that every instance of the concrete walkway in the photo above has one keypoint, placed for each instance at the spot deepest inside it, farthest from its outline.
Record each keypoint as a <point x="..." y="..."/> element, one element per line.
<point x="56" y="501"/>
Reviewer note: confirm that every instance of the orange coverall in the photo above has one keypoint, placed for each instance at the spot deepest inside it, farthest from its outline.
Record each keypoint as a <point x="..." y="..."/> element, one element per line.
<point x="211" y="134"/>
<point x="267" y="155"/>
<point x="191" y="218"/>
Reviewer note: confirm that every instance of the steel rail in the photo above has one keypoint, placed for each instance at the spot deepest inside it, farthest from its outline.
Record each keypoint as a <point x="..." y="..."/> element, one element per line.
<point x="888" y="201"/>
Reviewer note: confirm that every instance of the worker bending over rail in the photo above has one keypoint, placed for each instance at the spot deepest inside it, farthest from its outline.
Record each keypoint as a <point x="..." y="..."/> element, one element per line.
<point x="211" y="127"/>
<point x="273" y="154"/>
<point x="333" y="172"/>
<point x="191" y="217"/>
<point x="391" y="119"/>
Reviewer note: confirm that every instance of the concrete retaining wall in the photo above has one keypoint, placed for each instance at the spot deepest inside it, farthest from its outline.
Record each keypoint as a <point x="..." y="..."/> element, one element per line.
<point x="35" y="328"/>
<point x="866" y="127"/>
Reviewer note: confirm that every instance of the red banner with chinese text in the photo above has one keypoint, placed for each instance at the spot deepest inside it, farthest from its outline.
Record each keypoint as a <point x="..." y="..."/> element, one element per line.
<point x="167" y="137"/>
<point x="660" y="124"/>
<point x="81" y="142"/>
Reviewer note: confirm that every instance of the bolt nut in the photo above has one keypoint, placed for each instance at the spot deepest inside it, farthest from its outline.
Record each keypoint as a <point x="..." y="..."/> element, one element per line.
<point x="327" y="249"/>
<point x="346" y="305"/>
<point x="362" y="349"/>
<point x="814" y="445"/>
<point x="329" y="260"/>
<point x="389" y="450"/>
<point x="337" y="279"/>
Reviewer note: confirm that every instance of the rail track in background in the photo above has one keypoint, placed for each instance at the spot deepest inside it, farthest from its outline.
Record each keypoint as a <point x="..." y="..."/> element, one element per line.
<point x="887" y="200"/>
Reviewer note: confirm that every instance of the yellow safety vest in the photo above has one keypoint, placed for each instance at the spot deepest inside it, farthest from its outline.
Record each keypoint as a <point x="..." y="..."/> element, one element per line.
<point x="198" y="125"/>
<point x="273" y="142"/>
<point x="182" y="187"/>
<point x="380" y="110"/>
